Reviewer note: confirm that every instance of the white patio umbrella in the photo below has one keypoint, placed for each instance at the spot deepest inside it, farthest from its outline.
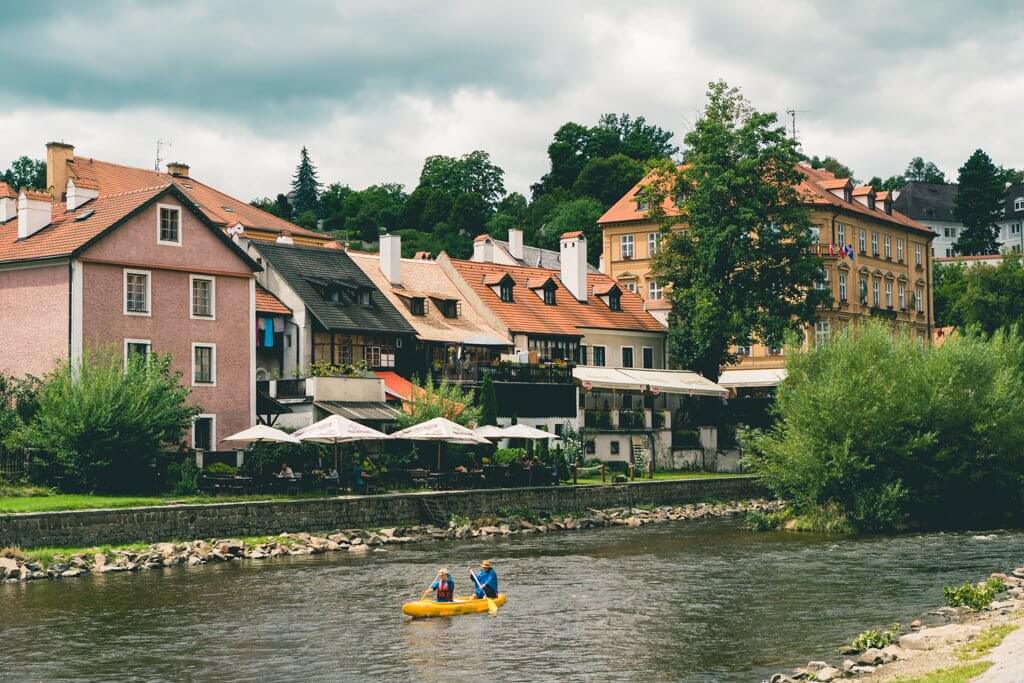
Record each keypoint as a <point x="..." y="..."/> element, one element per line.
<point x="490" y="432"/>
<point x="526" y="432"/>
<point x="259" y="434"/>
<point x="441" y="430"/>
<point x="336" y="429"/>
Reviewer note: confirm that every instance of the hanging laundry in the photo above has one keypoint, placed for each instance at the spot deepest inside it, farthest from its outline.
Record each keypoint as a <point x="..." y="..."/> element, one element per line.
<point x="268" y="333"/>
<point x="278" y="324"/>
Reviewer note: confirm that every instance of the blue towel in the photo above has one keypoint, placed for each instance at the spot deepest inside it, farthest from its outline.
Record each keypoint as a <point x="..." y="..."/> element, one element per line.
<point x="268" y="332"/>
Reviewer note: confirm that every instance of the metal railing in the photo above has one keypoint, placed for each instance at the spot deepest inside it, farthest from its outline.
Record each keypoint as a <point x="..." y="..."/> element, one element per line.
<point x="291" y="388"/>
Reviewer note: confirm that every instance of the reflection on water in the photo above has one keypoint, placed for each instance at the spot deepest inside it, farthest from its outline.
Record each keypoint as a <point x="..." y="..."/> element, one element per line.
<point x="700" y="601"/>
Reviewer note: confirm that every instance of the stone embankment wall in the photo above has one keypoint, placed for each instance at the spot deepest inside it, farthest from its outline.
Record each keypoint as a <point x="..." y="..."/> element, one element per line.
<point x="92" y="527"/>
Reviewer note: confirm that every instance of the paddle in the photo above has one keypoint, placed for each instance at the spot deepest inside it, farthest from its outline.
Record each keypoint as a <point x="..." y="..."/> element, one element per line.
<point x="431" y="586"/>
<point x="492" y="608"/>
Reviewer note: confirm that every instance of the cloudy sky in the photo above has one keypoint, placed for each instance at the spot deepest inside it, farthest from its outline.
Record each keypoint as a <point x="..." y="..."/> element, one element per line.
<point x="236" y="88"/>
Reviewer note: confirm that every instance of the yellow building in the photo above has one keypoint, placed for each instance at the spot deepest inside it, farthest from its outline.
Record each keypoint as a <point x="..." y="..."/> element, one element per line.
<point x="878" y="262"/>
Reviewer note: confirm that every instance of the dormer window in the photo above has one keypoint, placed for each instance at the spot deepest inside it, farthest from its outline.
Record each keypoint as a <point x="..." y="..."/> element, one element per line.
<point x="615" y="300"/>
<point x="418" y="305"/>
<point x="168" y="225"/>
<point x="363" y="297"/>
<point x="450" y="308"/>
<point x="501" y="284"/>
<point x="848" y="194"/>
<point x="549" y="294"/>
<point x="505" y="291"/>
<point x="1018" y="204"/>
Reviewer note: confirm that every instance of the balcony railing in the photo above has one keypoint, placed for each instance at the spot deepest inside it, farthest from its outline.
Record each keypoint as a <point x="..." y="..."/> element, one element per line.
<point x="597" y="419"/>
<point x="503" y="372"/>
<point x="631" y="419"/>
<point x="291" y="388"/>
<point x="830" y="251"/>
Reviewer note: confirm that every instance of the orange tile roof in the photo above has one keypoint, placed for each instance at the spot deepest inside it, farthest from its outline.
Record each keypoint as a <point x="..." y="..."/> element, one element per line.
<point x="659" y="305"/>
<point x="494" y="279"/>
<point x="36" y="195"/>
<point x="862" y="190"/>
<point x="218" y="207"/>
<point x="86" y="183"/>
<point x="538" y="282"/>
<point x="65" y="234"/>
<point x="528" y="313"/>
<point x="396" y="385"/>
<point x="266" y="302"/>
<point x="7" y="191"/>
<point x="834" y="183"/>
<point x="813" y="190"/>
<point x="571" y="234"/>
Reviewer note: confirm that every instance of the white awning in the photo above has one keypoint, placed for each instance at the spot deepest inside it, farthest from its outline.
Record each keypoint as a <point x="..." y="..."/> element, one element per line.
<point x="763" y="377"/>
<point x="634" y="379"/>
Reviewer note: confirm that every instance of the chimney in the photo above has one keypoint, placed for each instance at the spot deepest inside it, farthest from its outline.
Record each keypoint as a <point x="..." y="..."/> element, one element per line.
<point x="33" y="212"/>
<point x="573" y="259"/>
<point x="79" y="192"/>
<point x="515" y="243"/>
<point x="58" y="156"/>
<point x="483" y="249"/>
<point x="8" y="202"/>
<point x="391" y="258"/>
<point x="285" y="239"/>
<point x="177" y="169"/>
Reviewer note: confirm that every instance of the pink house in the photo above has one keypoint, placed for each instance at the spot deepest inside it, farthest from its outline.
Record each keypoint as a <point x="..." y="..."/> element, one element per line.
<point x="134" y="270"/>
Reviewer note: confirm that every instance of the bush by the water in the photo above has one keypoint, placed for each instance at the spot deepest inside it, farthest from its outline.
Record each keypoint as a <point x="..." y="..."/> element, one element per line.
<point x="892" y="433"/>
<point x="102" y="426"/>
<point x="221" y="469"/>
<point x="877" y="639"/>
<point x="974" y="596"/>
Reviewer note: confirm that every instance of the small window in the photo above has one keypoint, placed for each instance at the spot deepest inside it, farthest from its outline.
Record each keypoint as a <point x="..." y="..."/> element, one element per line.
<point x="648" y="357"/>
<point x="653" y="289"/>
<point x="899" y="250"/>
<point x="136" y="292"/>
<point x="627" y="356"/>
<point x="917" y="254"/>
<point x="169" y="225"/>
<point x="919" y="299"/>
<point x="203" y="432"/>
<point x="136" y="347"/>
<point x="506" y="291"/>
<point x="364" y="297"/>
<point x="841" y="231"/>
<point x="653" y="243"/>
<point x="815" y="233"/>
<point x="549" y="294"/>
<point x="202" y="297"/>
<point x="822" y="284"/>
<point x="861" y="243"/>
<point x="614" y="446"/>
<point x="874" y="244"/>
<point x="631" y="286"/>
<point x="589" y="447"/>
<point x="451" y="308"/>
<point x="888" y="294"/>
<point x="842" y="286"/>
<point x="1015" y="229"/>
<point x="204" y="362"/>
<point x="743" y="350"/>
<point x="822" y="330"/>
<point x="418" y="306"/>
<point x="774" y="350"/>
<point x="888" y="247"/>
<point x="615" y="301"/>
<point x="581" y="354"/>
<point x="626" y="246"/>
<point x="599" y="356"/>
<point x="1018" y="204"/>
<point x="903" y="297"/>
<point x="874" y="293"/>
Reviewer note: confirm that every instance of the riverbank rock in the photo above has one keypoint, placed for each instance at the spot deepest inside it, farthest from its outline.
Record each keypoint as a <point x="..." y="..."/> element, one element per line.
<point x="829" y="673"/>
<point x="8" y="567"/>
<point x="931" y="638"/>
<point x="871" y="656"/>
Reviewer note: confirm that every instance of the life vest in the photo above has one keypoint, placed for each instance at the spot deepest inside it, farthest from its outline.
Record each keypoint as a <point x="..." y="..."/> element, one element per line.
<point x="444" y="591"/>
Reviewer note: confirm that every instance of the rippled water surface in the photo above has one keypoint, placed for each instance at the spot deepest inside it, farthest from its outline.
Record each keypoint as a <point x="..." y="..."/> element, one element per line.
<point x="702" y="601"/>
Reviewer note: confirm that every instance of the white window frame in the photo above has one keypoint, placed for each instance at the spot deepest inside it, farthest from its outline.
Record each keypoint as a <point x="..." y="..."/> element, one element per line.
<point x="645" y="348"/>
<point x="902" y="296"/>
<point x="213" y="429"/>
<point x="213" y="364"/>
<point x="917" y="254"/>
<point x="128" y="342"/>
<point x="149" y="292"/>
<point x="1015" y="228"/>
<point x="874" y="244"/>
<point x="653" y="243"/>
<point x="622" y="356"/>
<point x="744" y="350"/>
<point x="604" y="353"/>
<point x="876" y="300"/>
<point x="655" y="291"/>
<point x="919" y="299"/>
<point x="181" y="228"/>
<point x="888" y="294"/>
<point x="899" y="250"/>
<point x="842" y="286"/>
<point x="862" y="241"/>
<point x="624" y="242"/>
<point x="1018" y="204"/>
<point x="888" y="247"/>
<point x="630" y="285"/>
<point x="191" y="297"/>
<point x="842" y="235"/>
<point x="822" y="331"/>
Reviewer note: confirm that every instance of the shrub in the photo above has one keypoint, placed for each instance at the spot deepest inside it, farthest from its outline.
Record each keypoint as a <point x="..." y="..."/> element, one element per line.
<point x="892" y="433"/>
<point x="977" y="597"/>
<point x="221" y="468"/>
<point x="430" y="400"/>
<point x="105" y="424"/>
<point x="877" y="639"/>
<point x="185" y="475"/>
<point x="504" y="456"/>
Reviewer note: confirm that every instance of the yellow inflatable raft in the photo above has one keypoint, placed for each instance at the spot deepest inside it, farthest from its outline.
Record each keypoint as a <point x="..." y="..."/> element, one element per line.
<point x="419" y="609"/>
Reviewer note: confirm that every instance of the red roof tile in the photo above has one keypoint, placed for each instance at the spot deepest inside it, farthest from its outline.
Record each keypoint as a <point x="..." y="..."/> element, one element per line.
<point x="862" y="190"/>
<point x="813" y="190"/>
<point x="266" y="302"/>
<point x="482" y="238"/>
<point x="7" y="191"/>
<point x="528" y="313"/>
<point x="571" y="234"/>
<point x="494" y="279"/>
<point x="36" y="195"/>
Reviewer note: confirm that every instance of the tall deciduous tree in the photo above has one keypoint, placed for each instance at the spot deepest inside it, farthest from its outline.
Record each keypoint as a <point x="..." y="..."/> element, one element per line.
<point x="472" y="173"/>
<point x="608" y="178"/>
<point x="25" y="172"/>
<point x="741" y="268"/>
<point x="305" y="186"/>
<point x="977" y="206"/>
<point x="575" y="214"/>
<point x="921" y="171"/>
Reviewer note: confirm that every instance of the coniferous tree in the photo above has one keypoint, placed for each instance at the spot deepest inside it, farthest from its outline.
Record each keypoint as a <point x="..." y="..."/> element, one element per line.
<point x="977" y="205"/>
<point x="488" y="402"/>
<point x="305" y="186"/>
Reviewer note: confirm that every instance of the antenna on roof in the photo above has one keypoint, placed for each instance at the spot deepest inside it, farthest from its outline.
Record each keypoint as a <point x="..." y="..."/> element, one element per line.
<point x="792" y="117"/>
<point x="159" y="147"/>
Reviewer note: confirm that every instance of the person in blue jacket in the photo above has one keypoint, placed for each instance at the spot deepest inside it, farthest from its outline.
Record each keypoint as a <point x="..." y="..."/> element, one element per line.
<point x="486" y="580"/>
<point x="444" y="585"/>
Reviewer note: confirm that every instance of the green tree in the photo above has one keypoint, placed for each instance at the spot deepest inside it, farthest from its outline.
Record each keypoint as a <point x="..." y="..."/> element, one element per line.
<point x="305" y="186"/>
<point x="267" y="204"/>
<point x="488" y="402"/>
<point x="978" y="205"/>
<point x="470" y="213"/>
<point x="366" y="213"/>
<point x="414" y="241"/>
<point x="106" y="423"/>
<point x="608" y="178"/>
<point x="921" y="171"/>
<point x="989" y="297"/>
<point x="1011" y="176"/>
<point x="430" y="400"/>
<point x="575" y="214"/>
<point x="833" y="166"/>
<point x="949" y="285"/>
<point x="636" y="138"/>
<point x="307" y="220"/>
<point x="742" y="268"/>
<point x="894" y="182"/>
<point x="912" y="434"/>
<point x="472" y="173"/>
<point x="26" y="172"/>
<point x="332" y="203"/>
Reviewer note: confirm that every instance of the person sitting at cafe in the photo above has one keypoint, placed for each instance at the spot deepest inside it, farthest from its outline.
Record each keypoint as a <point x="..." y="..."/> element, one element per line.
<point x="333" y="474"/>
<point x="286" y="472"/>
<point x="485" y="582"/>
<point x="358" y="479"/>
<point x="444" y="586"/>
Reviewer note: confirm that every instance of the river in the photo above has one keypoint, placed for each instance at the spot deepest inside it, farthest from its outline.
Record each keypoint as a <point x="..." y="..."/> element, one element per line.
<point x="695" y="601"/>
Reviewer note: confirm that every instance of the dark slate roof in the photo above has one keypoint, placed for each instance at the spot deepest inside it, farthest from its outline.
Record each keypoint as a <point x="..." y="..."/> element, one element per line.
<point x="306" y="269"/>
<point x="535" y="257"/>
<point x="1012" y="193"/>
<point x="927" y="201"/>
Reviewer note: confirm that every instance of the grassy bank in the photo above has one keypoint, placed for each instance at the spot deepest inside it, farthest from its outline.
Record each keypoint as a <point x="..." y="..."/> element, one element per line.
<point x="662" y="476"/>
